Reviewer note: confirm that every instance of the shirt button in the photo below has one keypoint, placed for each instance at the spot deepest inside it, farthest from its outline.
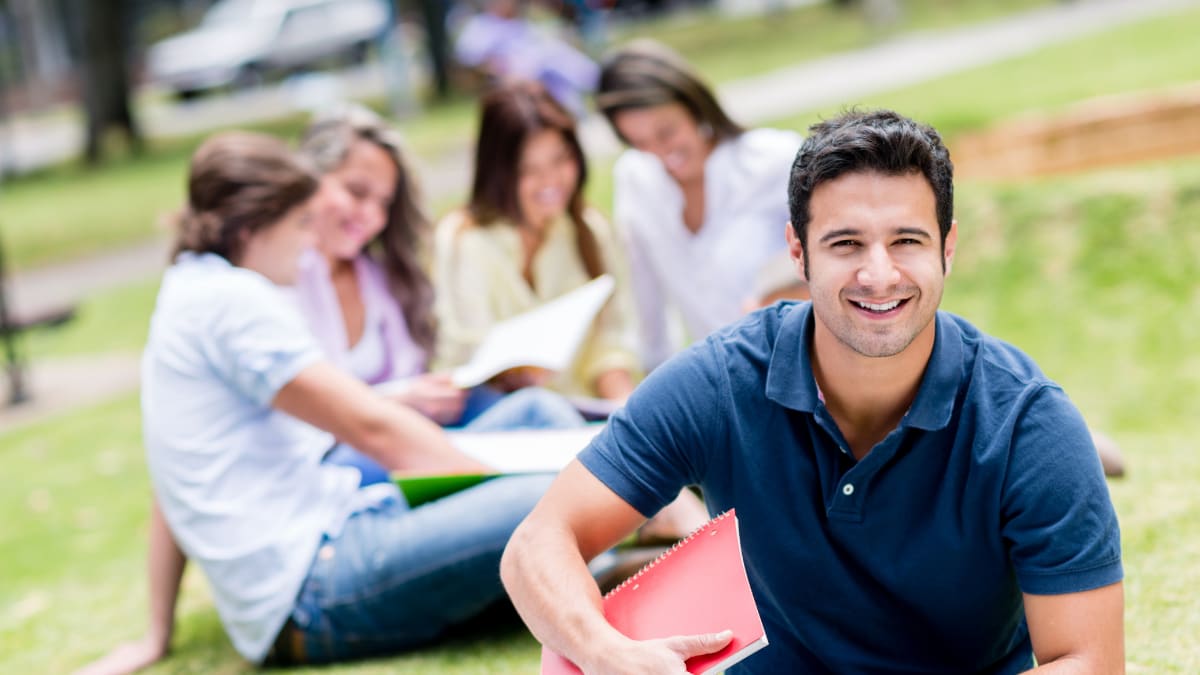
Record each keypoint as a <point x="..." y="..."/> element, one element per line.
<point x="848" y="489"/>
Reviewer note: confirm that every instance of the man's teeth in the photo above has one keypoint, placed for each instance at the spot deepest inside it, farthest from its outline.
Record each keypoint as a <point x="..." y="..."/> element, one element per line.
<point x="878" y="308"/>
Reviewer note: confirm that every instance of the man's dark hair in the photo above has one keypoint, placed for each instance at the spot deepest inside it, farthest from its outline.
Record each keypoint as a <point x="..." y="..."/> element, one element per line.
<point x="879" y="141"/>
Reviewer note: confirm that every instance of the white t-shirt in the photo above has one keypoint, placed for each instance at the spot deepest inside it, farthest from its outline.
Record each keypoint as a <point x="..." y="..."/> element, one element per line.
<point x="708" y="275"/>
<point x="240" y="484"/>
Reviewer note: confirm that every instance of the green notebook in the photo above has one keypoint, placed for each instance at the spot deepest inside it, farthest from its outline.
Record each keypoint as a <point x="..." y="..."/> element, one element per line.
<point x="420" y="489"/>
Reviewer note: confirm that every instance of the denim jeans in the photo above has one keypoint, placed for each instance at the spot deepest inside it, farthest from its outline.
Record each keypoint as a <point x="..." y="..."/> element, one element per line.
<point x="486" y="410"/>
<point x="397" y="578"/>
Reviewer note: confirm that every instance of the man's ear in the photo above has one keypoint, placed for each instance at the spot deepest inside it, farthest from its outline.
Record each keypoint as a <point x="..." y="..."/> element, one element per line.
<point x="951" y="245"/>
<point x="795" y="250"/>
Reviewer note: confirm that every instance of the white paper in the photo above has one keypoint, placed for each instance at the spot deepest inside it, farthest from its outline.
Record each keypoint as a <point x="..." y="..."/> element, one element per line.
<point x="525" y="450"/>
<point x="594" y="407"/>
<point x="544" y="337"/>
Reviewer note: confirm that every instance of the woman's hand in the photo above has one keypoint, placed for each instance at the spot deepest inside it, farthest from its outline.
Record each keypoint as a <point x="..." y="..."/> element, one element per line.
<point x="433" y="395"/>
<point x="615" y="385"/>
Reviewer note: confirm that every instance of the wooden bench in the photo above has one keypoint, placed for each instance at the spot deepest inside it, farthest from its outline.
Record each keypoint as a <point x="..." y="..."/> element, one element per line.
<point x="13" y="324"/>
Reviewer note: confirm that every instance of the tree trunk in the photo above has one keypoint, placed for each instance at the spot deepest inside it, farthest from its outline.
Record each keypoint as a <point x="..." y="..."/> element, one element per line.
<point x="104" y="74"/>
<point x="434" y="13"/>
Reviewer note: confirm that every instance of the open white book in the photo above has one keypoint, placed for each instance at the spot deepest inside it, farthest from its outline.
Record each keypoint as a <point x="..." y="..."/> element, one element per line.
<point x="525" y="450"/>
<point x="546" y="337"/>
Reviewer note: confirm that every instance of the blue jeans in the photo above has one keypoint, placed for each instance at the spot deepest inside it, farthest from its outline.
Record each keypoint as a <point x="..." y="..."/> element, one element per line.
<point x="397" y="578"/>
<point x="485" y="410"/>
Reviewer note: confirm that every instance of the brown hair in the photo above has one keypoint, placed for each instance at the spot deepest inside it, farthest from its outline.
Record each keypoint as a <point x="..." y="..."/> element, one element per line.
<point x="239" y="183"/>
<point x="645" y="74"/>
<point x="511" y="115"/>
<point x="402" y="244"/>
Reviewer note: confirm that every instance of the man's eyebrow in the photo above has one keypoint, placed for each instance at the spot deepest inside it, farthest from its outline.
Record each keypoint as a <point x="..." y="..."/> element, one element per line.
<point x="837" y="234"/>
<point x="914" y="231"/>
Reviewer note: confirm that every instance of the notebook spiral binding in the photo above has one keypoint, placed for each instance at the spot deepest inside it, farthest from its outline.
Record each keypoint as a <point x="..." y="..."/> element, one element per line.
<point x="662" y="556"/>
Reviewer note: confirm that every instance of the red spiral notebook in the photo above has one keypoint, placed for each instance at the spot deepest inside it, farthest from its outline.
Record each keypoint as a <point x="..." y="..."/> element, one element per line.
<point x="698" y="586"/>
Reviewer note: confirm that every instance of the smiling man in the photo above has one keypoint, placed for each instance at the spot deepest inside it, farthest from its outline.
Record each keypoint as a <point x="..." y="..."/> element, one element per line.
<point x="913" y="495"/>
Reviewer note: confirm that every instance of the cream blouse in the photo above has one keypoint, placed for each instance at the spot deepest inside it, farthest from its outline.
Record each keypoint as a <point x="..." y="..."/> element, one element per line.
<point x="477" y="272"/>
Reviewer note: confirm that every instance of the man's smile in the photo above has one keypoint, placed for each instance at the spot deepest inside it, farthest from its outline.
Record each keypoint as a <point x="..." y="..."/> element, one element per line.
<point x="880" y="309"/>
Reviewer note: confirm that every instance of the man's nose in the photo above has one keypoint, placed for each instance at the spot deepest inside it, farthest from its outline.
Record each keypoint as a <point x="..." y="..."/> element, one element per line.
<point x="878" y="269"/>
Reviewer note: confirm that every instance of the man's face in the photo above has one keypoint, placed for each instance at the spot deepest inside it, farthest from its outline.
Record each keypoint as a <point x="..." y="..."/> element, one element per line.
<point x="875" y="262"/>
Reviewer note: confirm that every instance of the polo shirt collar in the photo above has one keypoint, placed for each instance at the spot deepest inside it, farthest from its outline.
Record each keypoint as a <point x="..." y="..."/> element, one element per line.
<point x="934" y="404"/>
<point x="790" y="380"/>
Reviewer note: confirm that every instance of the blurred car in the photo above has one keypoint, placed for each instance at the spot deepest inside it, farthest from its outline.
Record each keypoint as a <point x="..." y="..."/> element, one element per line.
<point x="238" y="42"/>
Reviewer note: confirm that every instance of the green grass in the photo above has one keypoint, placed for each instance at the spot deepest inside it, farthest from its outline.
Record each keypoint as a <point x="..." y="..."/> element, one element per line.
<point x="66" y="212"/>
<point x="1147" y="55"/>
<point x="113" y="321"/>
<point x="728" y="49"/>
<point x="73" y="566"/>
<point x="1093" y="275"/>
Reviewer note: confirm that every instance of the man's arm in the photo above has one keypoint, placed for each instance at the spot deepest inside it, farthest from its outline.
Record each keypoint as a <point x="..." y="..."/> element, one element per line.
<point x="396" y="436"/>
<point x="165" y="563"/>
<point x="544" y="570"/>
<point x="1078" y="632"/>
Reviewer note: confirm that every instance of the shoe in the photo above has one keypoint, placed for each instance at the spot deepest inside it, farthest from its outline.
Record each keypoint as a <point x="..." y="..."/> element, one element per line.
<point x="1110" y="455"/>
<point x="612" y="567"/>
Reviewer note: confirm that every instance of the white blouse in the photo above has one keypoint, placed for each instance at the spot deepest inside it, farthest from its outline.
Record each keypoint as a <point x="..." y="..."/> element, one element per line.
<point x="706" y="276"/>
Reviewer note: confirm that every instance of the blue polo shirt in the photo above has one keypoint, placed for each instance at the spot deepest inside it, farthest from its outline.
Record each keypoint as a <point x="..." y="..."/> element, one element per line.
<point x="915" y="558"/>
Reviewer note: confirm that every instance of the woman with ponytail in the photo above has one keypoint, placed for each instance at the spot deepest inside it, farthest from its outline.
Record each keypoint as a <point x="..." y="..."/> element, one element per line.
<point x="240" y="409"/>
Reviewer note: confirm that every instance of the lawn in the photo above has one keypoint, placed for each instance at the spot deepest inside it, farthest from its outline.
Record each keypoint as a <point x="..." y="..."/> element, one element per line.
<point x="1091" y="274"/>
<point x="1144" y="56"/>
<point x="1097" y="276"/>
<point x="67" y="211"/>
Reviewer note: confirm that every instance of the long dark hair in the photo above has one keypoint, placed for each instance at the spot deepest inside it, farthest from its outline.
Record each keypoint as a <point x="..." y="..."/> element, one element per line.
<point x="239" y="183"/>
<point x="511" y="115"/>
<point x="645" y="74"/>
<point x="402" y="244"/>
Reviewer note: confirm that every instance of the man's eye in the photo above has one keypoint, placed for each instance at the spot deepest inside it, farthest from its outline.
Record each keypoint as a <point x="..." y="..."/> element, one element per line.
<point x="844" y="243"/>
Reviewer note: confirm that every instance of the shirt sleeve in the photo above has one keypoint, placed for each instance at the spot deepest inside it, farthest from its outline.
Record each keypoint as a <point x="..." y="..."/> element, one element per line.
<point x="259" y="342"/>
<point x="613" y="343"/>
<point x="785" y="155"/>
<point x="464" y="313"/>
<point x="646" y="288"/>
<point x="1058" y="519"/>
<point x="659" y="442"/>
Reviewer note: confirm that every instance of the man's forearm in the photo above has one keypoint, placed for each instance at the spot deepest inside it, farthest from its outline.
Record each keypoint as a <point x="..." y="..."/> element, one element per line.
<point x="550" y="586"/>
<point x="1070" y="665"/>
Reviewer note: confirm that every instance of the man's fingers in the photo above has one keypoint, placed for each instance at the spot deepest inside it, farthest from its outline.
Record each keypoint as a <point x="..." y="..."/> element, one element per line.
<point x="687" y="646"/>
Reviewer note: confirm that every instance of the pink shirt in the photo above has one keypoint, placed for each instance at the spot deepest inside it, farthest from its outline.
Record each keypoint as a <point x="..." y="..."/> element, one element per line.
<point x="318" y="302"/>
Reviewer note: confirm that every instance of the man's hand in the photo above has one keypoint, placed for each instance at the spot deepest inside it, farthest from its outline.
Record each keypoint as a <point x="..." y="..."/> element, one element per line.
<point x="666" y="656"/>
<point x="434" y="396"/>
<point x="127" y="657"/>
